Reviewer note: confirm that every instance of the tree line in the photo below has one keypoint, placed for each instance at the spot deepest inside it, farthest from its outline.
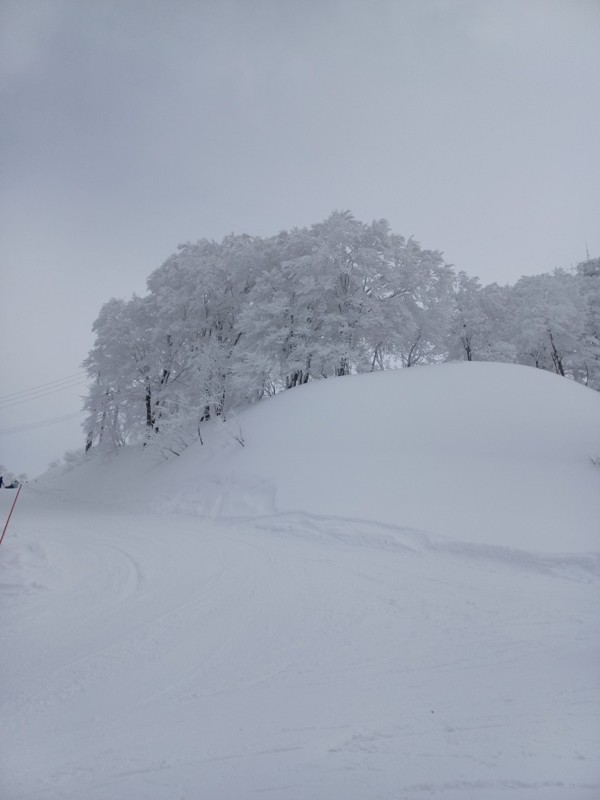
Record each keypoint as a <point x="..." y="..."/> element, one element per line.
<point x="226" y="324"/>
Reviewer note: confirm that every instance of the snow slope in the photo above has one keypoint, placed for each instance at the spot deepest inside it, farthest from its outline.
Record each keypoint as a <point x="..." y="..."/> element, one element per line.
<point x="487" y="453"/>
<point x="391" y="591"/>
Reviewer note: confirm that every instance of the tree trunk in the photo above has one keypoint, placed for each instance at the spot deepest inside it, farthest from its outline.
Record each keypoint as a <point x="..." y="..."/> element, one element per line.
<point x="149" y="415"/>
<point x="343" y="368"/>
<point x="556" y="357"/>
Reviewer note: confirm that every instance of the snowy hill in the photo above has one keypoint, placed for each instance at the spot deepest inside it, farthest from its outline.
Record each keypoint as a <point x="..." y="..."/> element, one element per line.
<point x="389" y="591"/>
<point x="487" y="453"/>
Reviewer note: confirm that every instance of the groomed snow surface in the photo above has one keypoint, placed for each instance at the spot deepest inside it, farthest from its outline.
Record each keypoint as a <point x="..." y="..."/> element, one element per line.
<point x="390" y="591"/>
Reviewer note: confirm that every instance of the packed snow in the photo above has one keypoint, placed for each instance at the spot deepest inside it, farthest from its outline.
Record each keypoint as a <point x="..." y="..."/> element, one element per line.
<point x="375" y="586"/>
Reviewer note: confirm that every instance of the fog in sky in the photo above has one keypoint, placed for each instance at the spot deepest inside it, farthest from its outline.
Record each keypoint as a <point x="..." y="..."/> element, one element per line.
<point x="131" y="126"/>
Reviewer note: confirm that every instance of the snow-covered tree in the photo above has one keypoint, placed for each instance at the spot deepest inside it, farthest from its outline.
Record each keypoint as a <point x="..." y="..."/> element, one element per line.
<point x="198" y="295"/>
<point x="315" y="314"/>
<point x="223" y="324"/>
<point x="356" y="297"/>
<point x="548" y="320"/>
<point x="417" y="308"/>
<point x="588" y="275"/>
<point x="129" y="372"/>
<point x="480" y="322"/>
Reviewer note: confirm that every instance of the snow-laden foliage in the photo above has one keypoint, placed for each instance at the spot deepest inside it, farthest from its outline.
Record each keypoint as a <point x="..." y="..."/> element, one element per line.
<point x="226" y="324"/>
<point x="9" y="477"/>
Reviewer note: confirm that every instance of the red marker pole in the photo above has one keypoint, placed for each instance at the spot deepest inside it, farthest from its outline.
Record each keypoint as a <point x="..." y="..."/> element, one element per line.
<point x="11" y="510"/>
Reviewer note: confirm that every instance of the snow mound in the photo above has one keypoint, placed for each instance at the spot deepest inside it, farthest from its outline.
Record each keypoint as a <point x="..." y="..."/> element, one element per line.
<point x="491" y="454"/>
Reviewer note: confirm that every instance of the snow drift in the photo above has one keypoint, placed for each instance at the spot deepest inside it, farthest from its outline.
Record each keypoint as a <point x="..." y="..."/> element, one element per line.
<point x="492" y="453"/>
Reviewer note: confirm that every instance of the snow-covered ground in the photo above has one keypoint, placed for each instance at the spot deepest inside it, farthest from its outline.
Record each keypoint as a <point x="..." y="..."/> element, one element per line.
<point x="390" y="591"/>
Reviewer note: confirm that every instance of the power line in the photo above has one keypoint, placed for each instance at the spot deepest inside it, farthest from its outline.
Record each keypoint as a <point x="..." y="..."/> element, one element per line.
<point x="42" y="423"/>
<point x="41" y="394"/>
<point x="43" y="386"/>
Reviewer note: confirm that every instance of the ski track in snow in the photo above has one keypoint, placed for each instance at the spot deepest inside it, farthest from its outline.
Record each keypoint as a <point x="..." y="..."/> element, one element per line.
<point x="290" y="656"/>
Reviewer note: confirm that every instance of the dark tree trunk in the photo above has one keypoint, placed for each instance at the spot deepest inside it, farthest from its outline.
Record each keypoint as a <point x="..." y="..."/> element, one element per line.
<point x="343" y="368"/>
<point x="556" y="357"/>
<point x="149" y="414"/>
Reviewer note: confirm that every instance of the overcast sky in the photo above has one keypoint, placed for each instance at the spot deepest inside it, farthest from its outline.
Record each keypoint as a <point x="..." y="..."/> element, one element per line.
<point x="134" y="125"/>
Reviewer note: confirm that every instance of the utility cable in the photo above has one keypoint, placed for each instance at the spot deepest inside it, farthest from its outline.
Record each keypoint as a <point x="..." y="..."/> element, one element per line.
<point x="42" y="423"/>
<point x="41" y="394"/>
<point x="43" y="387"/>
